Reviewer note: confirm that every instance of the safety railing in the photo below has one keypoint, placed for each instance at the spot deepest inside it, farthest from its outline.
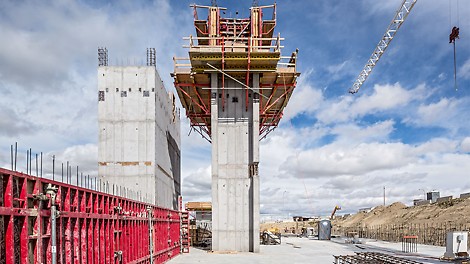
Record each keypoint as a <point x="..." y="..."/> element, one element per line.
<point x="247" y="44"/>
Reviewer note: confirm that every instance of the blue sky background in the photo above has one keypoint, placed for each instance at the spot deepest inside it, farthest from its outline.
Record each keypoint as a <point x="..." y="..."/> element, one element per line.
<point x="406" y="129"/>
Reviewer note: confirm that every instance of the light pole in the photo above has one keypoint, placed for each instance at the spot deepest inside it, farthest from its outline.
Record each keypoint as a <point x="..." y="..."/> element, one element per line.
<point x="384" y="196"/>
<point x="424" y="193"/>
<point x="283" y="202"/>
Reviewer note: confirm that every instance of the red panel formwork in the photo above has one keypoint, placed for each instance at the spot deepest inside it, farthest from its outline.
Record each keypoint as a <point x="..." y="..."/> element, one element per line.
<point x="92" y="227"/>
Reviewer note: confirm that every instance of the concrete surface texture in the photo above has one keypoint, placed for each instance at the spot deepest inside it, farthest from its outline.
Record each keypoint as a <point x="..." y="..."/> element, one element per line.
<point x="235" y="157"/>
<point x="302" y="250"/>
<point x="139" y="135"/>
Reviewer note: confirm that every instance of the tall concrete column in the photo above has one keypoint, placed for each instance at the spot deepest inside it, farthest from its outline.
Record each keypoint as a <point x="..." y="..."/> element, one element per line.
<point x="235" y="157"/>
<point x="214" y="125"/>
<point x="254" y="165"/>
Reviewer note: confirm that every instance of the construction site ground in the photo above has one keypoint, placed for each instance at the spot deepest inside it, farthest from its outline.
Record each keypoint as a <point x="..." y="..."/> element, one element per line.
<point x="303" y="250"/>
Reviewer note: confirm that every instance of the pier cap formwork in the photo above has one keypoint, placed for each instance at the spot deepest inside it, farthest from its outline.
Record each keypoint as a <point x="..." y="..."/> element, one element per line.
<point x="236" y="48"/>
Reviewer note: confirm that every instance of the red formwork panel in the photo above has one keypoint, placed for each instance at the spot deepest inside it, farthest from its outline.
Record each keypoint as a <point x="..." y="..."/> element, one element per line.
<point x="92" y="227"/>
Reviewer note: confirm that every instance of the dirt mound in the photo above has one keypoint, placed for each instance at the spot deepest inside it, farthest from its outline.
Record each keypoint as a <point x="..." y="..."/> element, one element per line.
<point x="455" y="211"/>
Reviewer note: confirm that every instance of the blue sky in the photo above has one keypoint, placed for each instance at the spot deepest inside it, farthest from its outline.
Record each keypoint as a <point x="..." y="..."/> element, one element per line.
<point x="406" y="129"/>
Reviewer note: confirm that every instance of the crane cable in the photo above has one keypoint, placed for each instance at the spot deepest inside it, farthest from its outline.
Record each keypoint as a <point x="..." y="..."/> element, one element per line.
<point x="453" y="36"/>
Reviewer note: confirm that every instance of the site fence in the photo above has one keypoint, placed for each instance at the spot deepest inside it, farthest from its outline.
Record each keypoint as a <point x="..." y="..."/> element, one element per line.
<point x="428" y="234"/>
<point x="91" y="226"/>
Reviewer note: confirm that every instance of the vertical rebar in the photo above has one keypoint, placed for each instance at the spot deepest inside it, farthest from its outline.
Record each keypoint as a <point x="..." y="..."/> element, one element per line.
<point x="62" y="172"/>
<point x="67" y="173"/>
<point x="77" y="175"/>
<point x="37" y="167"/>
<point x="41" y="164"/>
<point x="53" y="167"/>
<point x="16" y="153"/>
<point x="30" y="156"/>
<point x="27" y="162"/>
<point x="11" y="154"/>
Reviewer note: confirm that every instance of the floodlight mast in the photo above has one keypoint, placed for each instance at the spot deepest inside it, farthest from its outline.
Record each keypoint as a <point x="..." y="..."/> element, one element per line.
<point x="400" y="17"/>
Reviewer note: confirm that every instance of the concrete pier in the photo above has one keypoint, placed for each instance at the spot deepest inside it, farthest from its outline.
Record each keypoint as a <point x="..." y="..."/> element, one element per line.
<point x="234" y="91"/>
<point x="235" y="158"/>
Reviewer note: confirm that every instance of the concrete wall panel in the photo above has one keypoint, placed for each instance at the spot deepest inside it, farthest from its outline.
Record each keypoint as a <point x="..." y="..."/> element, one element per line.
<point x="139" y="133"/>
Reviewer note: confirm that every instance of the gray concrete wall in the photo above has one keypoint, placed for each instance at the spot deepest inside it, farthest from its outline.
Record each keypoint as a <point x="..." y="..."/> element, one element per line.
<point x="422" y="202"/>
<point x="139" y="134"/>
<point x="444" y="199"/>
<point x="235" y="183"/>
<point x="464" y="195"/>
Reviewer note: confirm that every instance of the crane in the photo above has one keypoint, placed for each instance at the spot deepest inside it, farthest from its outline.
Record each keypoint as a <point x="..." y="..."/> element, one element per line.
<point x="337" y="208"/>
<point x="400" y="17"/>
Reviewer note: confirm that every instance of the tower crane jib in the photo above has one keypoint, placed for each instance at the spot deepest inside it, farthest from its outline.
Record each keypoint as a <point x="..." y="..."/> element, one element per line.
<point x="400" y="17"/>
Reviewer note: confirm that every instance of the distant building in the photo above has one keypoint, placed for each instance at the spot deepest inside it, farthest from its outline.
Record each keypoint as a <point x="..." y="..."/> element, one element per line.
<point x="432" y="196"/>
<point x="303" y="218"/>
<point x="365" y="210"/>
<point x="418" y="202"/>
<point x="464" y="195"/>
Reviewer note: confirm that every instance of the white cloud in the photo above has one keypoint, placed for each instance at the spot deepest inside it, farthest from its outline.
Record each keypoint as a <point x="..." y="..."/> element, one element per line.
<point x="336" y="110"/>
<point x="384" y="97"/>
<point x="305" y="99"/>
<point x="447" y="113"/>
<point x="351" y="133"/>
<point x="464" y="70"/>
<point x="465" y="145"/>
<point x="197" y="185"/>
<point x="12" y="124"/>
<point x="335" y="159"/>
<point x="335" y="69"/>
<point x="353" y="173"/>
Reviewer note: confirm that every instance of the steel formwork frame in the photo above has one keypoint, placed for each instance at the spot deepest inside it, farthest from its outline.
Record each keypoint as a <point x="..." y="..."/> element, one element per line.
<point x="92" y="226"/>
<point x="236" y="48"/>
